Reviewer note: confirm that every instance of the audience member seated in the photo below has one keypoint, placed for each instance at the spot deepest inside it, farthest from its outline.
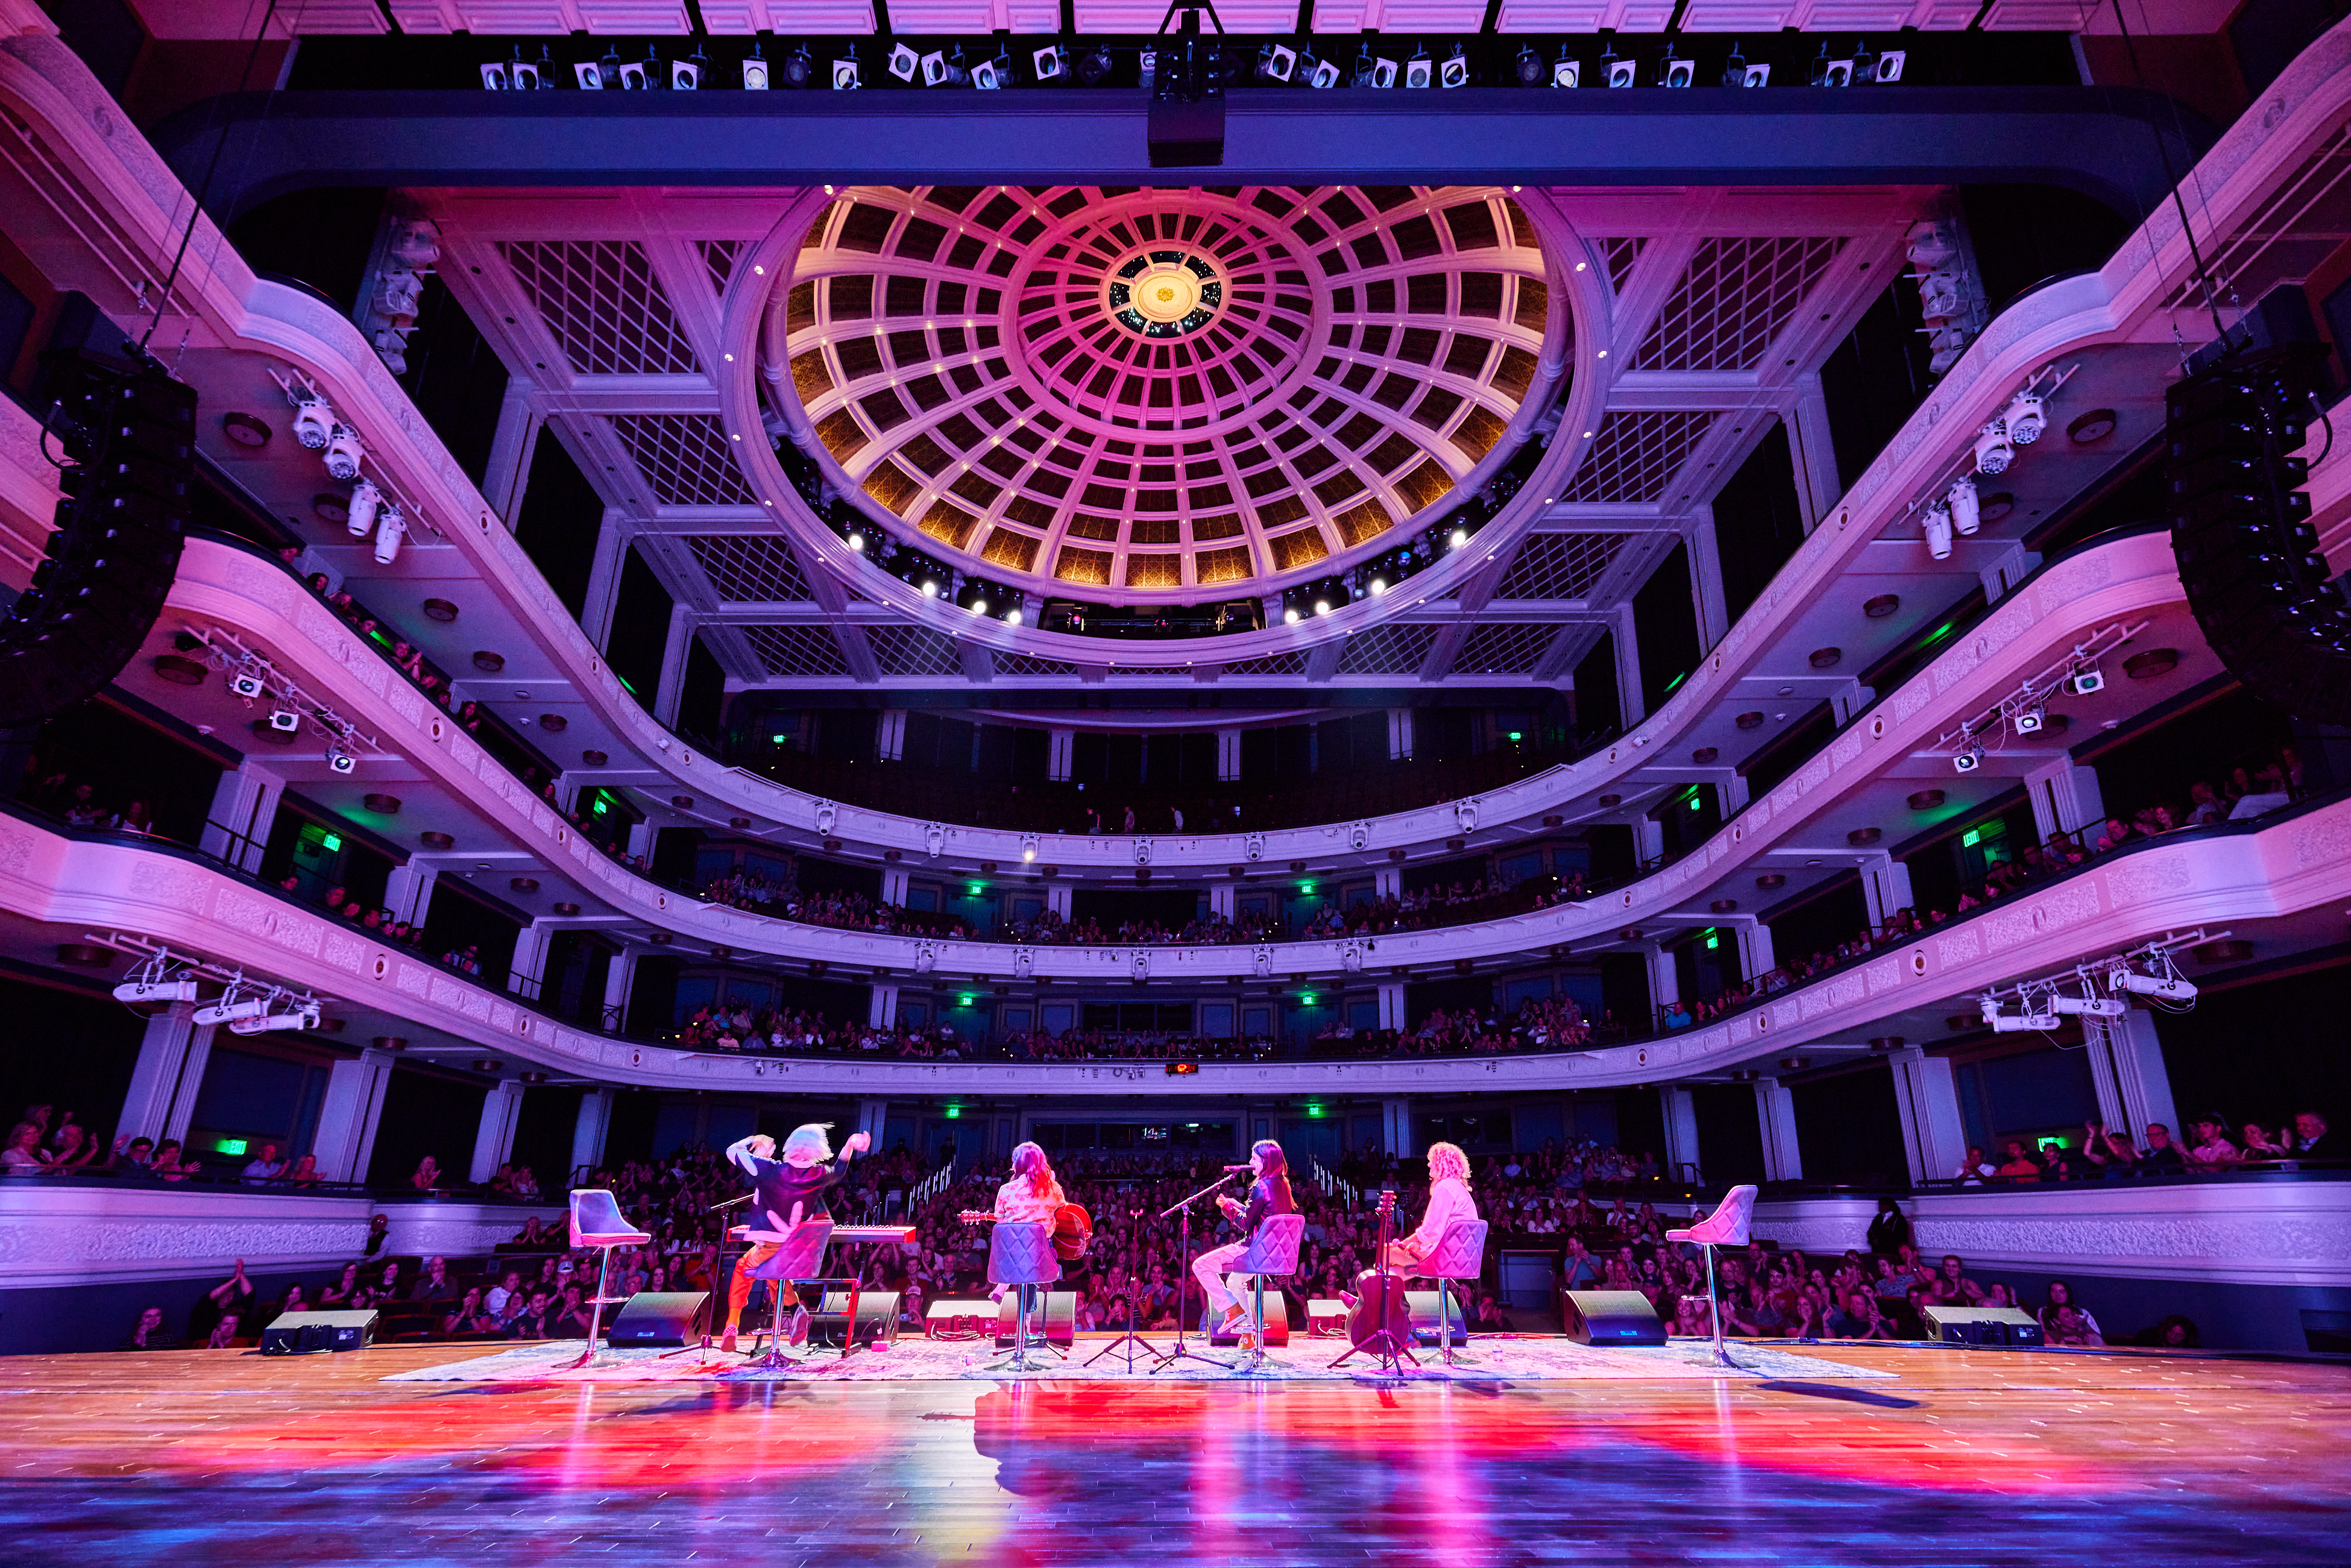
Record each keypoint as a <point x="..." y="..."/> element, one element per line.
<point x="150" y="1334"/>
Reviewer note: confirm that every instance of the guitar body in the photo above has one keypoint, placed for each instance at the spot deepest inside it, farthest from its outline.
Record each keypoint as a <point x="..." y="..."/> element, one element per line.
<point x="1379" y="1308"/>
<point x="1073" y="1230"/>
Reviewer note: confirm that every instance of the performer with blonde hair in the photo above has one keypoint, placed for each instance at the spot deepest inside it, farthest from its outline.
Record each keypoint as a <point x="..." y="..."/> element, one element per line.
<point x="784" y="1192"/>
<point x="1448" y="1200"/>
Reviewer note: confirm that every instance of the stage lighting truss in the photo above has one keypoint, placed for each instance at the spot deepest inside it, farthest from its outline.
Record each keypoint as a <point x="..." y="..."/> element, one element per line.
<point x="2025" y="710"/>
<point x="247" y="1004"/>
<point x="1953" y="501"/>
<point x="2097" y="988"/>
<point x="252" y="677"/>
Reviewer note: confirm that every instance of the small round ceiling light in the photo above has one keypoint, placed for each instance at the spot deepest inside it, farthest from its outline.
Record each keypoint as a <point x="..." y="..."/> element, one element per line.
<point x="1772" y="879"/>
<point x="1751" y="721"/>
<point x="436" y="840"/>
<point x="524" y="884"/>
<point x="2093" y="426"/>
<point x="594" y="758"/>
<point x="1883" y="605"/>
<point x="553" y="723"/>
<point x="1723" y="905"/>
<point x="683" y="802"/>
<point x="567" y="909"/>
<point x="1994" y="507"/>
<point x="1925" y="800"/>
<point x="85" y="954"/>
<point x="1704" y="755"/>
<point x="489" y="663"/>
<point x="1860" y="837"/>
<point x="245" y="430"/>
<point x="440" y="610"/>
<point x="1826" y="658"/>
<point x="2153" y="663"/>
<point x="331" y="506"/>
<point x="178" y="670"/>
<point x="381" y="805"/>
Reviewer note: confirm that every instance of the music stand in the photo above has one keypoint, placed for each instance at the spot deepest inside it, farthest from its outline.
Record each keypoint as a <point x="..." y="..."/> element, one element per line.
<point x="1127" y="1342"/>
<point x="1182" y="1210"/>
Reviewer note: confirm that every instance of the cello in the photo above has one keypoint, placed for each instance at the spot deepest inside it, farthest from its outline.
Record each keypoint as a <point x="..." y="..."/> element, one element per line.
<point x="1378" y="1322"/>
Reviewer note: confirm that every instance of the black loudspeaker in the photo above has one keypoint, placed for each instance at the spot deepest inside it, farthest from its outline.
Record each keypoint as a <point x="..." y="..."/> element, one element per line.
<point x="1421" y="1306"/>
<point x="1277" y="1314"/>
<point x="1982" y="1325"/>
<point x="129" y="431"/>
<point x="1060" y="1318"/>
<point x="877" y="1317"/>
<point x="663" y="1318"/>
<point x="1609" y="1317"/>
<point x="2241" y="523"/>
<point x="307" y="1333"/>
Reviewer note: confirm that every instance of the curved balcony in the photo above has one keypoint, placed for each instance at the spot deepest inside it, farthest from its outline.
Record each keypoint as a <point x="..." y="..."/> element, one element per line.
<point x="79" y="880"/>
<point x="2118" y="579"/>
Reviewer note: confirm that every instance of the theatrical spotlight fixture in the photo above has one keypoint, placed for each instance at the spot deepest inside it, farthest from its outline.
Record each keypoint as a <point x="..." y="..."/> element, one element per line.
<point x="1276" y="62"/>
<point x="230" y="1009"/>
<point x="754" y="71"/>
<point x="1620" y="73"/>
<point x="360" y="517"/>
<point x="344" y="453"/>
<point x="903" y="62"/>
<point x="1672" y="72"/>
<point x="1012" y="618"/>
<point x="1321" y="607"/>
<point x="314" y="422"/>
<point x="285" y="720"/>
<point x="339" y="760"/>
<point x="1384" y="73"/>
<point x="1530" y="67"/>
<point x="1290" y="616"/>
<point x="390" y="528"/>
<point x="153" y="982"/>
<point x="245" y="683"/>
<point x="2085" y="680"/>
<point x="2027" y="417"/>
<point x="2031" y="720"/>
<point x="591" y="76"/>
<point x="1969" y="757"/>
<point x="2018" y="1022"/>
<point x="1094" y="66"/>
<point x="938" y="70"/>
<point x="2171" y="986"/>
<point x="799" y="68"/>
<point x="844" y="72"/>
<point x="1320" y="74"/>
<point x="1967" y="505"/>
<point x="1047" y="63"/>
<point x="989" y="75"/>
<point x="1734" y="69"/>
<point x="685" y="75"/>
<point x="1566" y="72"/>
<point x="1455" y="72"/>
<point x="1994" y="453"/>
<point x="2086" y="1006"/>
<point x="1419" y="71"/>
<point x="1938" y="526"/>
<point x="295" y="1014"/>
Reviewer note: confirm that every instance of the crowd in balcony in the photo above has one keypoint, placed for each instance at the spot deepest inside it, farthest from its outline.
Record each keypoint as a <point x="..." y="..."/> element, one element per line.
<point x="2103" y="1153"/>
<point x="1459" y="904"/>
<point x="1537" y="1023"/>
<point x="784" y="899"/>
<point x="1050" y="929"/>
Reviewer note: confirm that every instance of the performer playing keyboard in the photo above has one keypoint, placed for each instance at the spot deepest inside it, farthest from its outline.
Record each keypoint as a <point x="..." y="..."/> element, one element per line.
<point x="784" y="1192"/>
<point x="1269" y="1195"/>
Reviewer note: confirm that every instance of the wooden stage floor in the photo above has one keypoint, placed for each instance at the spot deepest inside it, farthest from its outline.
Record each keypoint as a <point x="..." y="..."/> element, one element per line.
<point x="205" y="1459"/>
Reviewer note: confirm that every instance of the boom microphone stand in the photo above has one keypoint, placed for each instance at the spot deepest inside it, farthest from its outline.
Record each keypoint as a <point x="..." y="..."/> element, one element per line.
<point x="1127" y="1342"/>
<point x="1183" y="1211"/>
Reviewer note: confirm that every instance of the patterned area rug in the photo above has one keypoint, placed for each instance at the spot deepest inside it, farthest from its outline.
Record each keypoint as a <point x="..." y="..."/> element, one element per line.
<point x="1494" y="1358"/>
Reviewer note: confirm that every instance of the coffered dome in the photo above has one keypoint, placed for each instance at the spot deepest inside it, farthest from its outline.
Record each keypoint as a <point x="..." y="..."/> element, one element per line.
<point x="1134" y="394"/>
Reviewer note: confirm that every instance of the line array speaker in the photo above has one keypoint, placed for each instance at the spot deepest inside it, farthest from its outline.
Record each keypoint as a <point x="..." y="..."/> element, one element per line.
<point x="129" y="431"/>
<point x="2240" y="527"/>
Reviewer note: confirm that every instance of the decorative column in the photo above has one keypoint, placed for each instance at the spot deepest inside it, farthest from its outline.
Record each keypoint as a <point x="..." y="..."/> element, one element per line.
<point x="162" y="1101"/>
<point x="890" y="736"/>
<point x="1399" y="734"/>
<point x="408" y="891"/>
<point x="1061" y="746"/>
<point x="893" y="887"/>
<point x="1681" y="1131"/>
<point x="2126" y="1066"/>
<point x="1775" y="1111"/>
<point x="672" y="687"/>
<point x="1756" y="958"/>
<point x="1395" y="1126"/>
<point x="588" y="1131"/>
<point x="350" y="1115"/>
<point x="1632" y="706"/>
<point x="529" y="963"/>
<point x="1665" y="974"/>
<point x="244" y="808"/>
<point x="1706" y="578"/>
<point x="1885" y="888"/>
<point x="871" y="1116"/>
<point x="1387" y="881"/>
<point x="1221" y="898"/>
<point x="1648" y="840"/>
<point x="2064" y="797"/>
<point x="881" y="1010"/>
<point x="1813" y="449"/>
<point x="1056" y="899"/>
<point x="1934" y="1138"/>
<point x="1229" y="755"/>
<point x="1392" y="1014"/>
<point x="494" y="1140"/>
<point x="620" y="978"/>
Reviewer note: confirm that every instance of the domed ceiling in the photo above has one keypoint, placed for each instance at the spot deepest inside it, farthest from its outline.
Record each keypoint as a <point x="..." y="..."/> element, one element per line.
<point x="1138" y="395"/>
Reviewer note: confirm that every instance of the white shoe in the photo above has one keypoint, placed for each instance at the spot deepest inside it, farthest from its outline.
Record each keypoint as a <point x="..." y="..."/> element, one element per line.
<point x="798" y="1331"/>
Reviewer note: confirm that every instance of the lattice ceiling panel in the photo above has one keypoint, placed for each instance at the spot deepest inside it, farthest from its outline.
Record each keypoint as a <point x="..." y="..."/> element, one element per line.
<point x="1149" y="392"/>
<point x="1503" y="650"/>
<point x="1559" y="566"/>
<point x="718" y="256"/>
<point x="1636" y="456"/>
<point x="1618" y="256"/>
<point x="602" y="303"/>
<point x="685" y="457"/>
<point x="1734" y="299"/>
<point x="1387" y="650"/>
<point x="795" y="649"/>
<point x="1026" y="665"/>
<point x="749" y="568"/>
<point x="1271" y="664"/>
<point x="912" y="651"/>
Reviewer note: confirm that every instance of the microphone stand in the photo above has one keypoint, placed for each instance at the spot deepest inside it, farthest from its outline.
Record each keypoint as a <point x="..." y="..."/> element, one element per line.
<point x="1182" y="1210"/>
<point x="1128" y="1341"/>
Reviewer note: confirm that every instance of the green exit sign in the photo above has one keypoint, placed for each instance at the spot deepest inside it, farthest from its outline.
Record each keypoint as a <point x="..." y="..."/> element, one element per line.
<point x="231" y="1145"/>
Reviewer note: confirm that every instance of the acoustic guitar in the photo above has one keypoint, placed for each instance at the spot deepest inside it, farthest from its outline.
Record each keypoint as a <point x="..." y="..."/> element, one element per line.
<point x="1073" y="1230"/>
<point x="1379" y="1306"/>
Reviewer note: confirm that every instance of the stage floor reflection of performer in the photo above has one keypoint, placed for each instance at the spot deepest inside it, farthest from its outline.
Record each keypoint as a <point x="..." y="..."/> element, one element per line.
<point x="1448" y="1200"/>
<point x="1269" y="1195"/>
<point x="784" y="1192"/>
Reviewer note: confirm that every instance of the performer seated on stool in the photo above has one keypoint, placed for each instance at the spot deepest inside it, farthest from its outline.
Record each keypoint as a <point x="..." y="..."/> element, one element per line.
<point x="784" y="1193"/>
<point x="1448" y="1200"/>
<point x="1269" y="1195"/>
<point x="1031" y="1197"/>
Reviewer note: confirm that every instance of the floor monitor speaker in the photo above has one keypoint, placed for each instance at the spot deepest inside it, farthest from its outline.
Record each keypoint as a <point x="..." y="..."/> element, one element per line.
<point x="307" y="1333"/>
<point x="1609" y="1317"/>
<point x="1277" y="1313"/>
<point x="877" y="1317"/>
<point x="663" y="1318"/>
<point x="1982" y="1325"/>
<point x="1421" y="1305"/>
<point x="1060" y="1318"/>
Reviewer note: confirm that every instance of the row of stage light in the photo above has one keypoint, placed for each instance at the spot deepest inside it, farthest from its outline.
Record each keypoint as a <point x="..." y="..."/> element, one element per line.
<point x="1096" y="65"/>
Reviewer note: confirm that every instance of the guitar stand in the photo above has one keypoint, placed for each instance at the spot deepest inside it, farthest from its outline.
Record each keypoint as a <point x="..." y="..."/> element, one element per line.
<point x="1390" y="1352"/>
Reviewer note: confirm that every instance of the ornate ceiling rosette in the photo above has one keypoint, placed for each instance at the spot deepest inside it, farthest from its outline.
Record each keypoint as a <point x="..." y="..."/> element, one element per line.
<point x="1127" y="395"/>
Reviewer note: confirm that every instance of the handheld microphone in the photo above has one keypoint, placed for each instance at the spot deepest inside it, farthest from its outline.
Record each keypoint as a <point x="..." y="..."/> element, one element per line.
<point x="1230" y="1169"/>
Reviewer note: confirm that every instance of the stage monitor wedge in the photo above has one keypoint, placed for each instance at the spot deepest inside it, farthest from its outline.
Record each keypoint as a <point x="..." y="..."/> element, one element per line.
<point x="311" y="1333"/>
<point x="1609" y="1317"/>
